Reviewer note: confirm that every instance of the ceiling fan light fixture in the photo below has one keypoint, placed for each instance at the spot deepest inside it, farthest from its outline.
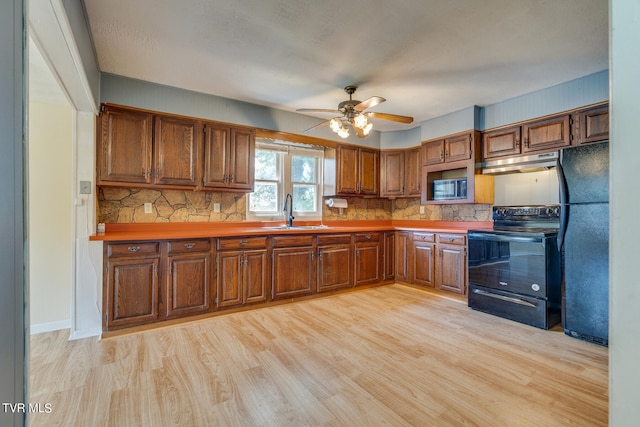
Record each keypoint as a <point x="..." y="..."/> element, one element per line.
<point x="360" y="121"/>
<point x="367" y="128"/>
<point x="335" y="124"/>
<point x="343" y="132"/>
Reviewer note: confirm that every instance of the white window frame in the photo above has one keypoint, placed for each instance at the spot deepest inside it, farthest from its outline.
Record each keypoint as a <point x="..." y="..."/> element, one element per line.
<point x="286" y="151"/>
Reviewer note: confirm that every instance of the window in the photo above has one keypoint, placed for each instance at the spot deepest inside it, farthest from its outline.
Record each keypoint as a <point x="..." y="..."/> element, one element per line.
<point x="282" y="168"/>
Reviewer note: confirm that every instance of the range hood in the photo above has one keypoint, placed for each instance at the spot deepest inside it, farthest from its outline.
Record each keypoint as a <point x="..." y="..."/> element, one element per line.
<point x="529" y="163"/>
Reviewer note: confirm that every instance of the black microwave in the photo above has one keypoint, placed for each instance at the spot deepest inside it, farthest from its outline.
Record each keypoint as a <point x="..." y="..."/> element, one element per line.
<point x="450" y="189"/>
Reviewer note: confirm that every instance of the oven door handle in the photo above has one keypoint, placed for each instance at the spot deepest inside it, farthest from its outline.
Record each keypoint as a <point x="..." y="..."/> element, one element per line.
<point x="502" y="238"/>
<point x="504" y="298"/>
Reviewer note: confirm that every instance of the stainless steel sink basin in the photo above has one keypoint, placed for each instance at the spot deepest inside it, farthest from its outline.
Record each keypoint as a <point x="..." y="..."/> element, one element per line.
<point x="297" y="227"/>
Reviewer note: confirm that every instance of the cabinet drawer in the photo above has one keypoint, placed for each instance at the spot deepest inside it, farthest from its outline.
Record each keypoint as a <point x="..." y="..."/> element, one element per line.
<point x="424" y="237"/>
<point x="133" y="249"/>
<point x="242" y="243"/>
<point x="452" y="239"/>
<point x="334" y="239"/>
<point x="288" y="241"/>
<point x="367" y="237"/>
<point x="186" y="246"/>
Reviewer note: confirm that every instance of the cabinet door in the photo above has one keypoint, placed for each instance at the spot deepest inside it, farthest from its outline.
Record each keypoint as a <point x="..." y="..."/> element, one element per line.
<point x="216" y="152"/>
<point x="241" y="159"/>
<point x="125" y="147"/>
<point x="368" y="172"/>
<point x="452" y="268"/>
<point x="547" y="134"/>
<point x="334" y="267"/>
<point x="132" y="292"/>
<point x="392" y="173"/>
<point x="592" y="125"/>
<point x="401" y="256"/>
<point x="255" y="276"/>
<point x="501" y="142"/>
<point x="347" y="169"/>
<point x="413" y="168"/>
<point x="293" y="272"/>
<point x="229" y="265"/>
<point x="457" y="148"/>
<point x="433" y="152"/>
<point x="368" y="257"/>
<point x="188" y="284"/>
<point x="423" y="255"/>
<point x="389" y="255"/>
<point x="176" y="152"/>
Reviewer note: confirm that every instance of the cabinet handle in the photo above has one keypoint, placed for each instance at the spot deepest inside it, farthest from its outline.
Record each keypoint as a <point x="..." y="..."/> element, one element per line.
<point x="231" y="178"/>
<point x="243" y="242"/>
<point x="368" y="236"/>
<point x="319" y="254"/>
<point x="312" y="256"/>
<point x="189" y="245"/>
<point x="134" y="248"/>
<point x="526" y="142"/>
<point x="451" y="239"/>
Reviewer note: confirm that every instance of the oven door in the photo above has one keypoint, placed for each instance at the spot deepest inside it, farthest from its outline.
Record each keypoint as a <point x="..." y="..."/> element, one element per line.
<point x="536" y="312"/>
<point x="523" y="264"/>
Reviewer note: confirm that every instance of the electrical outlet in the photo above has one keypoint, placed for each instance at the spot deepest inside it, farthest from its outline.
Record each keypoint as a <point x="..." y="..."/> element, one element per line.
<point x="421" y="209"/>
<point x="85" y="187"/>
<point x="216" y="207"/>
<point x="147" y="208"/>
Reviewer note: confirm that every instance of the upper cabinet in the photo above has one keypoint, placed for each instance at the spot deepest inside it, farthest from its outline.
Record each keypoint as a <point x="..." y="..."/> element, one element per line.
<point x="229" y="158"/>
<point x="140" y="148"/>
<point x="533" y="136"/>
<point x="591" y="125"/>
<point x="400" y="173"/>
<point x="446" y="150"/>
<point x="351" y="171"/>
<point x="124" y="149"/>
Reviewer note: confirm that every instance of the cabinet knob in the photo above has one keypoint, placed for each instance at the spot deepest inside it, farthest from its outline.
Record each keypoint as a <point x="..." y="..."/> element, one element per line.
<point x="243" y="242"/>
<point x="368" y="236"/>
<point x="189" y="245"/>
<point x="133" y="248"/>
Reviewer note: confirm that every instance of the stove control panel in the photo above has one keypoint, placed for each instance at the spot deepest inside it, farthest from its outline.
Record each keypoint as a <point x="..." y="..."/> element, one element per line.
<point x="526" y="212"/>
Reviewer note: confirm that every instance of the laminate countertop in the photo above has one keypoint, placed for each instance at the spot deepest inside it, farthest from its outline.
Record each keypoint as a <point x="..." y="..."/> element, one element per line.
<point x="191" y="230"/>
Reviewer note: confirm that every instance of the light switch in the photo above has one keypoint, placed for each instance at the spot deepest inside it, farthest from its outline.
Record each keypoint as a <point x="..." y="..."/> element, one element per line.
<point x="147" y="208"/>
<point x="216" y="207"/>
<point x="421" y="209"/>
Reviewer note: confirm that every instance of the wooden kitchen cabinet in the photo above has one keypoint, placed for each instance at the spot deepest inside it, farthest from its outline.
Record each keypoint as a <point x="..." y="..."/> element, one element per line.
<point x="335" y="255"/>
<point x="188" y="279"/>
<point x="591" y="125"/>
<point x="451" y="265"/>
<point x="176" y="154"/>
<point x="351" y="171"/>
<point x="540" y="135"/>
<point x="368" y="258"/>
<point x="401" y="249"/>
<point x="130" y="293"/>
<point x="229" y="158"/>
<point x="400" y="173"/>
<point x="422" y="259"/>
<point x="389" y="271"/>
<point x="447" y="150"/>
<point x="294" y="266"/>
<point x="124" y="153"/>
<point x="242" y="271"/>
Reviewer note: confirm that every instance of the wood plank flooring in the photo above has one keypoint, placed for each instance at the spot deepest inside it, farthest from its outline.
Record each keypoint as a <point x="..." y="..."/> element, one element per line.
<point x="390" y="355"/>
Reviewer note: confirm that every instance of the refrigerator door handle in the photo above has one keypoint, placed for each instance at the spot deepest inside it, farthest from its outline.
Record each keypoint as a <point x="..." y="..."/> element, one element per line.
<point x="564" y="208"/>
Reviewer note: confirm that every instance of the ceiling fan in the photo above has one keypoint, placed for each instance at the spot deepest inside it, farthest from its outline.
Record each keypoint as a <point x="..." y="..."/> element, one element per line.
<point x="353" y="113"/>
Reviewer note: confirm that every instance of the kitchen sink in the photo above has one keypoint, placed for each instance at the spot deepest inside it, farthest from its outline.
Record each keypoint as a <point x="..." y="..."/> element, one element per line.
<point x="297" y="227"/>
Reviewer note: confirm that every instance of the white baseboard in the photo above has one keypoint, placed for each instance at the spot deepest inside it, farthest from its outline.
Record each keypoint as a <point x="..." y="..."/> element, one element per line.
<point x="86" y="333"/>
<point x="39" y="328"/>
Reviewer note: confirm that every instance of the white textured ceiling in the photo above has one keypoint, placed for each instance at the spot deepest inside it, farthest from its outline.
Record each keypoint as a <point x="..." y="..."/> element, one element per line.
<point x="426" y="57"/>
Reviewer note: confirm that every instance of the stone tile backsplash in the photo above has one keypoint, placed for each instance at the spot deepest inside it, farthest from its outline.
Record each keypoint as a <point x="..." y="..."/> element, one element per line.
<point x="123" y="205"/>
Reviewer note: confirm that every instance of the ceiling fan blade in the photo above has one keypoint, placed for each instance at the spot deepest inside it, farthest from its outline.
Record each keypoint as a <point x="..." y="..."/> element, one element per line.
<point x="392" y="117"/>
<point x="368" y="103"/>
<point x="319" y="125"/>
<point x="317" y="110"/>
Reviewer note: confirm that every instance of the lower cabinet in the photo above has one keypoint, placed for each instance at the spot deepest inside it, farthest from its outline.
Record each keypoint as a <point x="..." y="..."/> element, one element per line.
<point x="422" y="260"/>
<point x="335" y="256"/>
<point x="188" y="278"/>
<point x="242" y="271"/>
<point x="294" y="266"/>
<point x="368" y="258"/>
<point x="401" y="250"/>
<point x="131" y="284"/>
<point x="389" y="271"/>
<point x="439" y="261"/>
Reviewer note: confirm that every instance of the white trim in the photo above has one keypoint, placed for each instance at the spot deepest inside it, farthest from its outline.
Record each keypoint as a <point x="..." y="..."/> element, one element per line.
<point x="87" y="333"/>
<point x="49" y="326"/>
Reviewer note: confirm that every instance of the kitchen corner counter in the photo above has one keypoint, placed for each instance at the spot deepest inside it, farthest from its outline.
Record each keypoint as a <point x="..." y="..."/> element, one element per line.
<point x="163" y="231"/>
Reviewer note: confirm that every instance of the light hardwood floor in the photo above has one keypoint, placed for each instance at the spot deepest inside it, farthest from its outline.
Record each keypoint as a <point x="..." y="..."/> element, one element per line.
<point x="390" y="355"/>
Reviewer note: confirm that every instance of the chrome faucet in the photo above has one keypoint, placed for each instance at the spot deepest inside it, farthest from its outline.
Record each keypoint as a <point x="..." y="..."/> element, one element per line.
<point x="289" y="200"/>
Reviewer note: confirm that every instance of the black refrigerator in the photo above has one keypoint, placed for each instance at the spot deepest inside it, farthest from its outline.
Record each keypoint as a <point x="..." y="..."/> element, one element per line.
<point x="583" y="174"/>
